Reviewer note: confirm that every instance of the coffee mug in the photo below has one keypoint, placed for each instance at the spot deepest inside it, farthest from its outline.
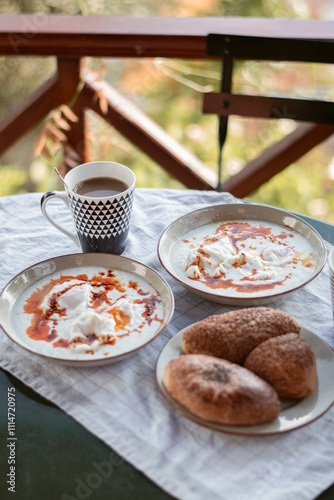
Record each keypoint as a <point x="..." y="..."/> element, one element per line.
<point x="100" y="196"/>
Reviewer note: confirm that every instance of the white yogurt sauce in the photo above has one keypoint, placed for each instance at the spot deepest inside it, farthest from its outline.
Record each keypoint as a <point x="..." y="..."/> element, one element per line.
<point x="90" y="313"/>
<point x="243" y="258"/>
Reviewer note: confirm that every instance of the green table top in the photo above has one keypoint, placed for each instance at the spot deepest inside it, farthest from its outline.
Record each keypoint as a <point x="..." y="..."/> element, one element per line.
<point x="56" y="458"/>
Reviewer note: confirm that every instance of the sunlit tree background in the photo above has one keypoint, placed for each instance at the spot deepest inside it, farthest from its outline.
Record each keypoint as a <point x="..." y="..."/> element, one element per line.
<point x="171" y="92"/>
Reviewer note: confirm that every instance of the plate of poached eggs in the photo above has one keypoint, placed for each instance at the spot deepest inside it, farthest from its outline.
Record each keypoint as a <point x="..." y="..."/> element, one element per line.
<point x="241" y="254"/>
<point x="86" y="309"/>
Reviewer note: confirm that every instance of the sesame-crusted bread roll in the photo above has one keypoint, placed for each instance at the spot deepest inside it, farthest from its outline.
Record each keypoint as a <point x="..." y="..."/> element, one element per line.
<point x="287" y="363"/>
<point x="235" y="334"/>
<point x="219" y="391"/>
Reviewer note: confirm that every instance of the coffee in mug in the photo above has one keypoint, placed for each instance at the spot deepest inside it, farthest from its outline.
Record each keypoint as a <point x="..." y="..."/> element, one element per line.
<point x="100" y="196"/>
<point x="100" y="187"/>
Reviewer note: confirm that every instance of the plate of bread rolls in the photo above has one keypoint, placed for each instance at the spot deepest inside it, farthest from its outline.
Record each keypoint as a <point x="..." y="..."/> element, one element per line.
<point x="251" y="371"/>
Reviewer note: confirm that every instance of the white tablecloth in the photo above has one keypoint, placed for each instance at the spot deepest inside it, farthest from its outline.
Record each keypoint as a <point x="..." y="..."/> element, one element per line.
<point x="120" y="402"/>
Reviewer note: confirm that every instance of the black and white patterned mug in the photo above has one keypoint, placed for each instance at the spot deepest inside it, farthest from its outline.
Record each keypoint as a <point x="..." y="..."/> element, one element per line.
<point x="102" y="222"/>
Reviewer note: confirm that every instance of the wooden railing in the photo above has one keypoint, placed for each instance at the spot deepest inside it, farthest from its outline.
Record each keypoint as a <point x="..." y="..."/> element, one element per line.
<point x="71" y="38"/>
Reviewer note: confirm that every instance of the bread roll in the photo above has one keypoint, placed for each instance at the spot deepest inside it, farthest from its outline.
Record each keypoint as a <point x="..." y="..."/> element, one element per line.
<point x="235" y="334"/>
<point x="220" y="391"/>
<point x="287" y="363"/>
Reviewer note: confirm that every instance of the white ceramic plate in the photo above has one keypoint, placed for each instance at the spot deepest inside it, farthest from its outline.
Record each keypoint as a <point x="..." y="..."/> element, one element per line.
<point x="294" y="413"/>
<point x="15" y="322"/>
<point x="229" y="213"/>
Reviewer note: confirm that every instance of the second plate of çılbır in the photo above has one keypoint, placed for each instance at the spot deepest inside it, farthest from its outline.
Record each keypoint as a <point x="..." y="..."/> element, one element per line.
<point x="241" y="254"/>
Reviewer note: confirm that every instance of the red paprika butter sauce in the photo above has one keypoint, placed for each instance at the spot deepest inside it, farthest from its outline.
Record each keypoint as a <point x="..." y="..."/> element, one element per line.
<point x="40" y="328"/>
<point x="237" y="232"/>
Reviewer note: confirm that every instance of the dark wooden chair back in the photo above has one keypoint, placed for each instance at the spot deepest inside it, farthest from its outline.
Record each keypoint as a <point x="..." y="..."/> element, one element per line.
<point x="231" y="48"/>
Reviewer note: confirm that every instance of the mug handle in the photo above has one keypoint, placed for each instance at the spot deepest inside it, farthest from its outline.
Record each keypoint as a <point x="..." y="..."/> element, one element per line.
<point x="62" y="196"/>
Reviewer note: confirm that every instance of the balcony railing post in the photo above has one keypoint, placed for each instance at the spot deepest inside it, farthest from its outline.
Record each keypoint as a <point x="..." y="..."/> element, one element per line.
<point x="76" y="150"/>
<point x="69" y="76"/>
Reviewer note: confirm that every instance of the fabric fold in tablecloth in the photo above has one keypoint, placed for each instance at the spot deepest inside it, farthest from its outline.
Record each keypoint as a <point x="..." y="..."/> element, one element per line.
<point x="187" y="460"/>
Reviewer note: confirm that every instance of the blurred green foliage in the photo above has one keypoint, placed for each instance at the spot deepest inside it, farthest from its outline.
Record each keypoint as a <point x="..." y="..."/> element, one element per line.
<point x="171" y="93"/>
<point x="12" y="180"/>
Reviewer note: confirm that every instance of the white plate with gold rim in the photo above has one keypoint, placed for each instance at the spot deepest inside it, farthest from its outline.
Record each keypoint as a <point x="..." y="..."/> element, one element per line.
<point x="15" y="321"/>
<point x="172" y="242"/>
<point x="294" y="413"/>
